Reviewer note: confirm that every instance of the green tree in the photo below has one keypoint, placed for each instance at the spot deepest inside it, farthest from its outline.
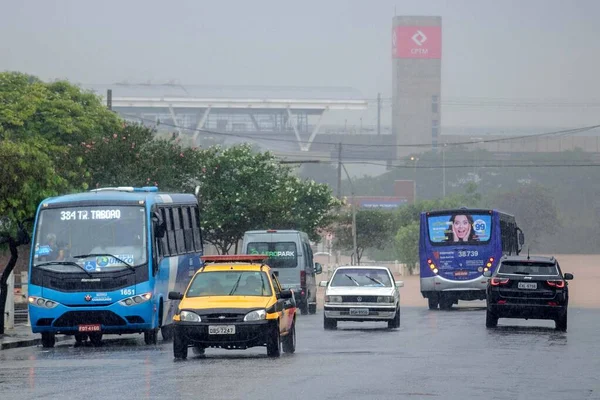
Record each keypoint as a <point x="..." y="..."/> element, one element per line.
<point x="374" y="230"/>
<point x="534" y="208"/>
<point x="241" y="189"/>
<point x="407" y="245"/>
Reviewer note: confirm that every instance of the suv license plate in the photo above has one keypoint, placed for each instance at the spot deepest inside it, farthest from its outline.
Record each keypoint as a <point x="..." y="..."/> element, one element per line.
<point x="527" y="285"/>
<point x="359" y="311"/>
<point x="89" y="328"/>
<point x="221" y="329"/>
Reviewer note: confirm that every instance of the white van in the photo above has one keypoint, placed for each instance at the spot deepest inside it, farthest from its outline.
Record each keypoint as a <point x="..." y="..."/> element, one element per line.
<point x="291" y="256"/>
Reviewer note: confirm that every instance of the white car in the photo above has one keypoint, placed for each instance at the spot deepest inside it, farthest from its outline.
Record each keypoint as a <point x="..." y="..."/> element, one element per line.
<point x="357" y="293"/>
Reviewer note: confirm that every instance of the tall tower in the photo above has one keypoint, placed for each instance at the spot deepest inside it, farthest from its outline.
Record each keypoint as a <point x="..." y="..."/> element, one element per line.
<point x="416" y="81"/>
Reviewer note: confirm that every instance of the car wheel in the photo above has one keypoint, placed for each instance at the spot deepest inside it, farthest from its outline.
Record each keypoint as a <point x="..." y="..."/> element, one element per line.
<point x="151" y="336"/>
<point x="48" y="339"/>
<point x="329" y="324"/>
<point x="96" y="339"/>
<point x="180" y="347"/>
<point x="303" y="308"/>
<point x="491" y="320"/>
<point x="167" y="333"/>
<point x="274" y="341"/>
<point x="289" y="341"/>
<point x="198" y="350"/>
<point x="561" y="322"/>
<point x="432" y="302"/>
<point x="312" y="308"/>
<point x="395" y="323"/>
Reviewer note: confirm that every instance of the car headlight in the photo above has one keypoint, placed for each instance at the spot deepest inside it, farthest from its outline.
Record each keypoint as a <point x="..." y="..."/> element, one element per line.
<point x="137" y="299"/>
<point x="385" y="299"/>
<point x="333" y="299"/>
<point x="41" y="302"/>
<point x="189" y="316"/>
<point x="255" y="315"/>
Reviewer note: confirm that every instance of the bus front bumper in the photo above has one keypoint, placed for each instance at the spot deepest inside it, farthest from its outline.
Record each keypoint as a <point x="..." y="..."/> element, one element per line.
<point x="112" y="318"/>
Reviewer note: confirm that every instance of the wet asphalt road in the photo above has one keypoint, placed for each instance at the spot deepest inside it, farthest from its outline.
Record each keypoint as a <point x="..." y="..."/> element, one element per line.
<point x="434" y="355"/>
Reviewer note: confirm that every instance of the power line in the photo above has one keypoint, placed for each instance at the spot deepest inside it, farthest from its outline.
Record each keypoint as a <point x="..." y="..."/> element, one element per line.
<point x="417" y="145"/>
<point x="440" y="166"/>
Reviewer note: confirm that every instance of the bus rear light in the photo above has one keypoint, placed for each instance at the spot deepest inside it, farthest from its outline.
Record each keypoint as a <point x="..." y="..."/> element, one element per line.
<point x="491" y="259"/>
<point x="429" y="261"/>
<point x="489" y="265"/>
<point x="499" y="281"/>
<point x="556" y="284"/>
<point x="435" y="271"/>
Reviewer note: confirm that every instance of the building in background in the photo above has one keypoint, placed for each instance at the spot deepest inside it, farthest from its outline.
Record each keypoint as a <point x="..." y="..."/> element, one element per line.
<point x="416" y="81"/>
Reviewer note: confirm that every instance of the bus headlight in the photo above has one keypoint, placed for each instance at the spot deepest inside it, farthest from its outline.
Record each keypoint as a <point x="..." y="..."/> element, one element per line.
<point x="137" y="299"/>
<point x="41" y="302"/>
<point x="188" y="316"/>
<point x="255" y="315"/>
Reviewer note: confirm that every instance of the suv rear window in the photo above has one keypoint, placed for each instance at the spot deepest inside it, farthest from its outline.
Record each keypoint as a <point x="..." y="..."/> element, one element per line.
<point x="527" y="268"/>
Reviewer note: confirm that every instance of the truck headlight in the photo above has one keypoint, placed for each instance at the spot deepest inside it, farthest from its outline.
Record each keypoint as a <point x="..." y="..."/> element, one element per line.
<point x="189" y="316"/>
<point x="256" y="315"/>
<point x="333" y="299"/>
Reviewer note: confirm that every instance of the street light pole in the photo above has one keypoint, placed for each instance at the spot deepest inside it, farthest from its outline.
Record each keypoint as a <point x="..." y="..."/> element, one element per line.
<point x="355" y="248"/>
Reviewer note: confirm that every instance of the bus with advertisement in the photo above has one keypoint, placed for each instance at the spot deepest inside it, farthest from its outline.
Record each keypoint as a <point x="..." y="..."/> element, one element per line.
<point x="104" y="261"/>
<point x="456" y="246"/>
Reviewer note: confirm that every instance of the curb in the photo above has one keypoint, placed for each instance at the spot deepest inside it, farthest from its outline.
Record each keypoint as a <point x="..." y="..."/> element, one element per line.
<point x="29" y="342"/>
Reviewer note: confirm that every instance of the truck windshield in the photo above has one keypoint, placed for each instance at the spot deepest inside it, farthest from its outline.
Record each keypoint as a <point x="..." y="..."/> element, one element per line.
<point x="109" y="234"/>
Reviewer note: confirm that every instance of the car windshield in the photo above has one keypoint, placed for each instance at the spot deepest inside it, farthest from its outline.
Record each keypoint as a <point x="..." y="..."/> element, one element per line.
<point x="528" y="268"/>
<point x="361" y="277"/>
<point x="96" y="238"/>
<point x="230" y="283"/>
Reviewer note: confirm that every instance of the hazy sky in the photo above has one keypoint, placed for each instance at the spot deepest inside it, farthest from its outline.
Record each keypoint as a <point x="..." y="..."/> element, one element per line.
<point x="540" y="50"/>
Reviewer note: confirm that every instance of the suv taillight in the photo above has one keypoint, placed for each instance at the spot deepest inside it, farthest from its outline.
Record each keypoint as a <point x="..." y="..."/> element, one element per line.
<point x="303" y="279"/>
<point x="499" y="281"/>
<point x="556" y="284"/>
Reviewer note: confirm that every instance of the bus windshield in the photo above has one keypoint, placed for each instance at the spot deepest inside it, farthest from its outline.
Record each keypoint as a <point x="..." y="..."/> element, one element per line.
<point x="114" y="233"/>
<point x="459" y="227"/>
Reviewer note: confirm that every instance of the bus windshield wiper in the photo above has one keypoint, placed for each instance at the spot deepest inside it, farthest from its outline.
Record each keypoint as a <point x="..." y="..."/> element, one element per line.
<point x="64" y="263"/>
<point x="374" y="280"/>
<point x="352" y="279"/>
<point x="106" y="255"/>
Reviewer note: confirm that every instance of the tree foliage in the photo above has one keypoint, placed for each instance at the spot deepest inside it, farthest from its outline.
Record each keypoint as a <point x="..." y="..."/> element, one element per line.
<point x="534" y="209"/>
<point x="241" y="190"/>
<point x="374" y="230"/>
<point x="407" y="245"/>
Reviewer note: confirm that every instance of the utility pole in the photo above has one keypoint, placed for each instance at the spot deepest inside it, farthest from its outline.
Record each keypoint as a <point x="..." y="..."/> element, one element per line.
<point x="339" y="171"/>
<point x="444" y="170"/>
<point x="379" y="113"/>
<point x="109" y="99"/>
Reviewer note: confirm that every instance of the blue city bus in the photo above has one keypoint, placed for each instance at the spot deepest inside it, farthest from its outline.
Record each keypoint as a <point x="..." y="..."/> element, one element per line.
<point x="457" y="246"/>
<point x="104" y="261"/>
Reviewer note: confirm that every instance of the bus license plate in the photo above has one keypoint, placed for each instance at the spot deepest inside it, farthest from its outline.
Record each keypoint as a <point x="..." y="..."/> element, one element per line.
<point x="527" y="285"/>
<point x="89" y="328"/>
<point x="461" y="273"/>
<point x="359" y="311"/>
<point x="221" y="329"/>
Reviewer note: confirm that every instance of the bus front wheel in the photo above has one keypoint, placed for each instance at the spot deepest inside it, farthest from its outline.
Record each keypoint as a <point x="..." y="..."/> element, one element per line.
<point x="151" y="336"/>
<point x="48" y="339"/>
<point x="433" y="302"/>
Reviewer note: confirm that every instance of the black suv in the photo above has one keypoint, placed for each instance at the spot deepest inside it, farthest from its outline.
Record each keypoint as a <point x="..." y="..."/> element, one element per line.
<point x="528" y="287"/>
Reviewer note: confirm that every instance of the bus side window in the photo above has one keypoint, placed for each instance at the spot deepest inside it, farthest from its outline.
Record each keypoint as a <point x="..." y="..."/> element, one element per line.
<point x="196" y="228"/>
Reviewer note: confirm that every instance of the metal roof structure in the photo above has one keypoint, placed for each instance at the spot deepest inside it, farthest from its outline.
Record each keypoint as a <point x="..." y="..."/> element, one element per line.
<point x="241" y="110"/>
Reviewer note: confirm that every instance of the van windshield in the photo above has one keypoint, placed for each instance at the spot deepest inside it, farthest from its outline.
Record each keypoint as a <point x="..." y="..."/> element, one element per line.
<point x="281" y="254"/>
